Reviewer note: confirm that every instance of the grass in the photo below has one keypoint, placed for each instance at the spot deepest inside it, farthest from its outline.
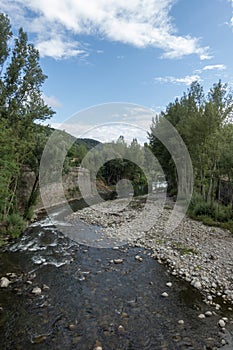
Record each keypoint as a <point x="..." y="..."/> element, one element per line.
<point x="184" y="250"/>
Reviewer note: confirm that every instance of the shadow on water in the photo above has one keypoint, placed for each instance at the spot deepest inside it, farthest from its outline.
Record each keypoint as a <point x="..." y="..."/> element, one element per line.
<point x="85" y="297"/>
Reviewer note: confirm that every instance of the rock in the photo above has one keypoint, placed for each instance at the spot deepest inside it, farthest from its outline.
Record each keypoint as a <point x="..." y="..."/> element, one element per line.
<point x="4" y="282"/>
<point x="71" y="327"/>
<point x="138" y="258"/>
<point x="201" y="316"/>
<point x="181" y="321"/>
<point x="121" y="329"/>
<point x="45" y="287"/>
<point x="208" y="313"/>
<point x="11" y="274"/>
<point x="168" y="284"/>
<point x="196" y="284"/>
<point x="36" y="291"/>
<point x="118" y="261"/>
<point x="164" y="294"/>
<point x="221" y="323"/>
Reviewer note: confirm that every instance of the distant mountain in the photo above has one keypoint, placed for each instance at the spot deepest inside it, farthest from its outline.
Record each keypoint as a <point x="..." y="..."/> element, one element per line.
<point x="88" y="143"/>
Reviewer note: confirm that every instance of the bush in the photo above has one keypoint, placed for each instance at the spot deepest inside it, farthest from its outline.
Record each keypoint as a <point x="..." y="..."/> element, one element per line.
<point x="15" y="224"/>
<point x="199" y="208"/>
<point x="222" y="213"/>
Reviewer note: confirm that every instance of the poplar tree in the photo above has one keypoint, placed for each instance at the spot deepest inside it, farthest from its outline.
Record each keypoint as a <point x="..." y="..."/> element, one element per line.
<point x="21" y="109"/>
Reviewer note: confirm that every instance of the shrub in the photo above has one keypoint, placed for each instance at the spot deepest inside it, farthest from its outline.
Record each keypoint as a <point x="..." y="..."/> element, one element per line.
<point x="15" y="224"/>
<point x="222" y="213"/>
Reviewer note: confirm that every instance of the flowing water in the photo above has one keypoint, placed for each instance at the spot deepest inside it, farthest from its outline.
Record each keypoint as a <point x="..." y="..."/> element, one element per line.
<point x="86" y="299"/>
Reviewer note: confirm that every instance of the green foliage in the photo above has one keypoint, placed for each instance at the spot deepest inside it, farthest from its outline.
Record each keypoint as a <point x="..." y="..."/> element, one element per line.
<point x="21" y="106"/>
<point x="15" y="224"/>
<point x="209" y="214"/>
<point x="205" y="124"/>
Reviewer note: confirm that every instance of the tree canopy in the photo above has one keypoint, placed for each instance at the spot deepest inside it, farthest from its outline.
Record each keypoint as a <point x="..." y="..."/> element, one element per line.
<point x="21" y="109"/>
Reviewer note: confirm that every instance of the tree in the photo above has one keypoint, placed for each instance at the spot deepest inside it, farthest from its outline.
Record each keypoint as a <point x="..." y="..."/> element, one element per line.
<point x="22" y="106"/>
<point x="200" y="121"/>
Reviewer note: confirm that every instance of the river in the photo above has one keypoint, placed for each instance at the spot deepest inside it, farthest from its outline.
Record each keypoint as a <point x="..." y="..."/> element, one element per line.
<point x="86" y="299"/>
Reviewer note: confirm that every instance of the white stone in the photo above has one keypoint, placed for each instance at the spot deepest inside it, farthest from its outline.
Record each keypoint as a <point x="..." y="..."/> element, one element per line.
<point x="196" y="284"/>
<point x="168" y="284"/>
<point x="36" y="291"/>
<point x="138" y="258"/>
<point x="164" y="294"/>
<point x="201" y="316"/>
<point x="221" y="323"/>
<point x="4" y="282"/>
<point x="181" y="321"/>
<point x="118" y="261"/>
<point x="208" y="313"/>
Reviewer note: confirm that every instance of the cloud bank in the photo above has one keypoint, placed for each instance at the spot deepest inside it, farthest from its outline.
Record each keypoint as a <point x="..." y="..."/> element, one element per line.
<point x="58" y="25"/>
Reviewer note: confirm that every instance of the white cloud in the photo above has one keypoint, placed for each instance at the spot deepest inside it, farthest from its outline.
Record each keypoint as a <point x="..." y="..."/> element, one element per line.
<point x="56" y="25"/>
<point x="215" y="66"/>
<point x="187" y="80"/>
<point x="52" y="101"/>
<point x="58" y="48"/>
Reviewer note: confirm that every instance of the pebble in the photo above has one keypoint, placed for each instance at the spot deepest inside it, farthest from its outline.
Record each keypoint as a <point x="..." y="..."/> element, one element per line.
<point x="36" y="291"/>
<point x="118" y="261"/>
<point x="196" y="284"/>
<point x="164" y="294"/>
<point x="121" y="328"/>
<point x="71" y="327"/>
<point x="208" y="313"/>
<point x="4" y="282"/>
<point x="221" y="323"/>
<point x="181" y="321"/>
<point x="201" y="316"/>
<point x="45" y="287"/>
<point x="169" y="284"/>
<point x="138" y="258"/>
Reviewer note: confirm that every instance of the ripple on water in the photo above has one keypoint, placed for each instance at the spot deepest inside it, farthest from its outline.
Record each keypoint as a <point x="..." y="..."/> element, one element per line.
<point x="118" y="304"/>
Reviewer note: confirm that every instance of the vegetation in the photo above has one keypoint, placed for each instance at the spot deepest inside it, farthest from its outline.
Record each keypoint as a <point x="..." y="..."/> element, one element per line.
<point x="204" y="123"/>
<point x="118" y="161"/>
<point x="21" y="137"/>
<point x="202" y="120"/>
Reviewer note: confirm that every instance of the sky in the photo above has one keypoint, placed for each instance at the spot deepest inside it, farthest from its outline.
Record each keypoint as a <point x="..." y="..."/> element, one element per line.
<point x="140" y="52"/>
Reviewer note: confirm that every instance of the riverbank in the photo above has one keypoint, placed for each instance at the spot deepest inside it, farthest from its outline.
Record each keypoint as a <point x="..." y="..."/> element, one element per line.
<point x="199" y="254"/>
<point x="57" y="294"/>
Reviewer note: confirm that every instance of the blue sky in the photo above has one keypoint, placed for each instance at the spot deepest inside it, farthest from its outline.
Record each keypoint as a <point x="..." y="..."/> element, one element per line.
<point x="144" y="52"/>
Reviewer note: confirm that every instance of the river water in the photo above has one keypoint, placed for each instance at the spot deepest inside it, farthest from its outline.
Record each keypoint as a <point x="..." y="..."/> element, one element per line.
<point x="87" y="299"/>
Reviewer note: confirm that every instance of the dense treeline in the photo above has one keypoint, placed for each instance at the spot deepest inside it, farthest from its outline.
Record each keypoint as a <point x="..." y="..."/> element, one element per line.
<point x="21" y="137"/>
<point x="204" y="123"/>
<point x="116" y="161"/>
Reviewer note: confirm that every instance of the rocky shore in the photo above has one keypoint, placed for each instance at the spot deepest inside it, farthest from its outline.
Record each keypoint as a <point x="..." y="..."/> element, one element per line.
<point x="197" y="253"/>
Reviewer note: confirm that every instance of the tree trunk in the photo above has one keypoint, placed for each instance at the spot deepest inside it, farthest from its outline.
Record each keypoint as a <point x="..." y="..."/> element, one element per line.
<point x="211" y="188"/>
<point x="32" y="196"/>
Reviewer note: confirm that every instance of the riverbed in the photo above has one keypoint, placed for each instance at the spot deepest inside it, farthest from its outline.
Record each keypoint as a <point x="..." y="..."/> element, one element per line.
<point x="66" y="295"/>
